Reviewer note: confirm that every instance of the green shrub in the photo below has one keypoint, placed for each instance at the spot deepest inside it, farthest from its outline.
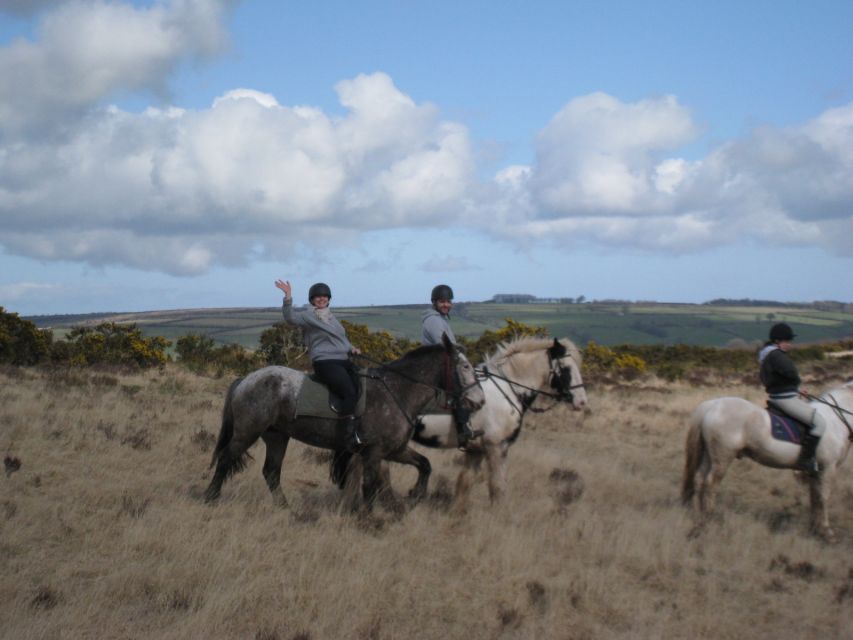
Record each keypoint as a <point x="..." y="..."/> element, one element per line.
<point x="111" y="344"/>
<point x="282" y="345"/>
<point x="377" y="346"/>
<point x="21" y="342"/>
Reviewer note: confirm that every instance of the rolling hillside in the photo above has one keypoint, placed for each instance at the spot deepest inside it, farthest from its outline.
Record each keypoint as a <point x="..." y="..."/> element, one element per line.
<point x="605" y="323"/>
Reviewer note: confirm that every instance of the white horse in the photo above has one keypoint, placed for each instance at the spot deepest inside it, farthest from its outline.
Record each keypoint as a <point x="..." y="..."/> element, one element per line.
<point x="518" y="373"/>
<point x="723" y="429"/>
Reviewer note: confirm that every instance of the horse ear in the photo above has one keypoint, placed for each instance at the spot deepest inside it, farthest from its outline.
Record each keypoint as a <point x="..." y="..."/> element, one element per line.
<point x="448" y="345"/>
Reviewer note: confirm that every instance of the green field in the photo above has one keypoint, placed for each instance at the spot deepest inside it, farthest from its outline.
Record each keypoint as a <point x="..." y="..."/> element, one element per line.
<point x="607" y="324"/>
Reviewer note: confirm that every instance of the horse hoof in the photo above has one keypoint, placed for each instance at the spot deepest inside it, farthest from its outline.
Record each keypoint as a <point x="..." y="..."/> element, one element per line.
<point x="828" y="536"/>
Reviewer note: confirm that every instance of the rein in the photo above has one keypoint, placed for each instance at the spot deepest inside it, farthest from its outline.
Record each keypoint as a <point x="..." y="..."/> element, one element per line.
<point x="839" y="411"/>
<point x="526" y="404"/>
<point x="448" y="369"/>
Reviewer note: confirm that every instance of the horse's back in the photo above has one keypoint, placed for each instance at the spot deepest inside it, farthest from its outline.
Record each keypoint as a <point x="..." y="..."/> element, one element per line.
<point x="735" y="423"/>
<point x="267" y="393"/>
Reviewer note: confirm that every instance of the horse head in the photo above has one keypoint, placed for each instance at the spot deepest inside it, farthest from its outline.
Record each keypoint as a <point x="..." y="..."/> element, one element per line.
<point x="565" y="376"/>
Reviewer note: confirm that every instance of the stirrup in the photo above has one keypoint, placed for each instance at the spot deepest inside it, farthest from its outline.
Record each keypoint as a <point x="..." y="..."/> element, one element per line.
<point x="465" y="437"/>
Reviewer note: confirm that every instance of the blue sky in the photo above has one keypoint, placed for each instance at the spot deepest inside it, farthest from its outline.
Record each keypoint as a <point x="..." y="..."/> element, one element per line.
<point x="186" y="153"/>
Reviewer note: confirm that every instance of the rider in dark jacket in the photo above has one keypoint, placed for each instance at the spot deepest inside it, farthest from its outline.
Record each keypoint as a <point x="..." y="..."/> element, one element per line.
<point x="781" y="379"/>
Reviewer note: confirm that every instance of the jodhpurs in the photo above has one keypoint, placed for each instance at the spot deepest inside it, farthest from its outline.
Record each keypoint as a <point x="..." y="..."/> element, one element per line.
<point x="803" y="412"/>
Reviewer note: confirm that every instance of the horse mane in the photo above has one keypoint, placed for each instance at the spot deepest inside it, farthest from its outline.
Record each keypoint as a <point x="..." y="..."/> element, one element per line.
<point x="527" y="344"/>
<point x="412" y="355"/>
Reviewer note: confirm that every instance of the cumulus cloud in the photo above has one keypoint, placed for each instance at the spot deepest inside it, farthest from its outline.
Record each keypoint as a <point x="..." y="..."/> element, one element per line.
<point x="88" y="49"/>
<point x="179" y="191"/>
<point x="448" y="263"/>
<point x="604" y="172"/>
<point x="25" y="7"/>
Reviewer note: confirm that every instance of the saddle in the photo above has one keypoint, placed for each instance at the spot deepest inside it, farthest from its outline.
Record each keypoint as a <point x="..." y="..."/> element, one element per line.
<point x="315" y="399"/>
<point x="784" y="427"/>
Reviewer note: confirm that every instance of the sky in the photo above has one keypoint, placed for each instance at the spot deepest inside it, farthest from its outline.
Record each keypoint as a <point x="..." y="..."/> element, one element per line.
<point x="187" y="153"/>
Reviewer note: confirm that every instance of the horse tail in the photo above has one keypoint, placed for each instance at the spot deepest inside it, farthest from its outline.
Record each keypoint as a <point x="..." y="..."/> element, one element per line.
<point x="694" y="451"/>
<point x="226" y="432"/>
<point x="339" y="467"/>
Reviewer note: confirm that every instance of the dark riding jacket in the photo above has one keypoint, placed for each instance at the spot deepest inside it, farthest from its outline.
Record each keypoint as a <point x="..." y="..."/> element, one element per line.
<point x="779" y="373"/>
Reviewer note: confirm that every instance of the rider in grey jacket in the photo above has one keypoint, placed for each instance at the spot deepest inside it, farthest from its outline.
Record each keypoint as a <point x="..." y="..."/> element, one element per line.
<point x="435" y="322"/>
<point x="329" y="350"/>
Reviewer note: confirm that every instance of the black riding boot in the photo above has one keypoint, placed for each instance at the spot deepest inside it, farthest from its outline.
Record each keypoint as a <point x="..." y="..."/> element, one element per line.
<point x="354" y="440"/>
<point x="464" y="433"/>
<point x="807" y="462"/>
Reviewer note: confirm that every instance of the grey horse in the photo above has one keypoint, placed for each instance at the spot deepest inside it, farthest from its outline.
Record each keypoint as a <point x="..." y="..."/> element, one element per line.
<point x="263" y="405"/>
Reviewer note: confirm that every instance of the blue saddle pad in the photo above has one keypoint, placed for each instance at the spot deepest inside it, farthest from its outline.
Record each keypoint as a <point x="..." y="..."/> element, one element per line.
<point x="786" y="428"/>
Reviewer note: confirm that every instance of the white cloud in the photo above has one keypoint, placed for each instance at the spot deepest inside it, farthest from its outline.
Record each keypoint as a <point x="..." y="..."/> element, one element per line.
<point x="86" y="50"/>
<point x="597" y="156"/>
<point x="601" y="175"/>
<point x="443" y="264"/>
<point x="181" y="191"/>
<point x="25" y="7"/>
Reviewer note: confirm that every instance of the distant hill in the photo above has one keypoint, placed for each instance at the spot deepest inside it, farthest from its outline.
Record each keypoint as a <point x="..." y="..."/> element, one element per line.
<point x="607" y="323"/>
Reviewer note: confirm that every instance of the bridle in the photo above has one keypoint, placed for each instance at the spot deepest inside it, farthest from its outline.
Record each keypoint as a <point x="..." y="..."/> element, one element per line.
<point x="451" y="380"/>
<point x="560" y="379"/>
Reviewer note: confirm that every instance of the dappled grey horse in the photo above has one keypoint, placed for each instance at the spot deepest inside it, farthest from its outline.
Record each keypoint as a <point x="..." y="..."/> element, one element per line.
<point x="263" y="405"/>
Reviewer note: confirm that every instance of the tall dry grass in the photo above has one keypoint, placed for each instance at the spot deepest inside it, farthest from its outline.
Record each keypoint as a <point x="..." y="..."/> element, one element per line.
<point x="102" y="534"/>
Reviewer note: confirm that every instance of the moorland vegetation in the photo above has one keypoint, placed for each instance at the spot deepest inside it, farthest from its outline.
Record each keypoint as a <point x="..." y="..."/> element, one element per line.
<point x="104" y="532"/>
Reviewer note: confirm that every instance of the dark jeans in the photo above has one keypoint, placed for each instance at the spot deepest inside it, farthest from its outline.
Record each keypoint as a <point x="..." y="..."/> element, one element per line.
<point x="341" y="376"/>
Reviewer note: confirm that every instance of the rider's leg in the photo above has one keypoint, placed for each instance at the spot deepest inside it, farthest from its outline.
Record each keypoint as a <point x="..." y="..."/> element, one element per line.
<point x="462" y="420"/>
<point x="807" y="414"/>
<point x="336" y="374"/>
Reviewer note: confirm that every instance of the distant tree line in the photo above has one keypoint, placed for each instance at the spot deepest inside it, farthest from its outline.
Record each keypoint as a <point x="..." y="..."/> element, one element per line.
<point x="820" y="305"/>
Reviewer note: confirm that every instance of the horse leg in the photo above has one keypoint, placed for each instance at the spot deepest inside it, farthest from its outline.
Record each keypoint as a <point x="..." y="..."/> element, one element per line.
<point x="229" y="460"/>
<point x="715" y="471"/>
<point x="470" y="466"/>
<point x="497" y="467"/>
<point x="352" y="483"/>
<point x="819" y="491"/>
<point x="372" y="480"/>
<point x="276" y="443"/>
<point x="421" y="462"/>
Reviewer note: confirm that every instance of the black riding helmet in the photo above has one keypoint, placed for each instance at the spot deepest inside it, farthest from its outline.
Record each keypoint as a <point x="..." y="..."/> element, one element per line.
<point x="441" y="292"/>
<point x="319" y="289"/>
<point x="781" y="331"/>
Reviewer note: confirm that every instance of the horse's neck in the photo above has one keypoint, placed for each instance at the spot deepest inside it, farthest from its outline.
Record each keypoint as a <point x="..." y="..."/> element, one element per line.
<point x="525" y="369"/>
<point x="402" y="383"/>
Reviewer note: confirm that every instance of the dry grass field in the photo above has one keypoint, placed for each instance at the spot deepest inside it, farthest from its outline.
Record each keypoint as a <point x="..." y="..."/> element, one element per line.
<point x="102" y="533"/>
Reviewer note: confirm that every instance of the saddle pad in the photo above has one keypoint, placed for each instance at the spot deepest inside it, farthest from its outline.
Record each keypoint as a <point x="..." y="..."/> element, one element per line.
<point x="314" y="400"/>
<point x="786" y="428"/>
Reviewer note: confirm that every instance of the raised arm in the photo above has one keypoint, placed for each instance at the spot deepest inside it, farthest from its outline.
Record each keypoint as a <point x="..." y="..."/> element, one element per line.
<point x="284" y="285"/>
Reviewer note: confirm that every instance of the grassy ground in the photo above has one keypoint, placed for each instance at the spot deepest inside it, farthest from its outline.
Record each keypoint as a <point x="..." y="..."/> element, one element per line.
<point x="607" y="324"/>
<point x="102" y="534"/>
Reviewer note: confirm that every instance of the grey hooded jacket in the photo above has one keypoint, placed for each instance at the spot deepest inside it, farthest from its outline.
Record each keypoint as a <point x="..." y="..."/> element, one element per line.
<point x="433" y="325"/>
<point x="325" y="340"/>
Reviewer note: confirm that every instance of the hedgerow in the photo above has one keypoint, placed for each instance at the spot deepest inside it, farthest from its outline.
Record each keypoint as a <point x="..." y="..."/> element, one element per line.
<point x="23" y="344"/>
